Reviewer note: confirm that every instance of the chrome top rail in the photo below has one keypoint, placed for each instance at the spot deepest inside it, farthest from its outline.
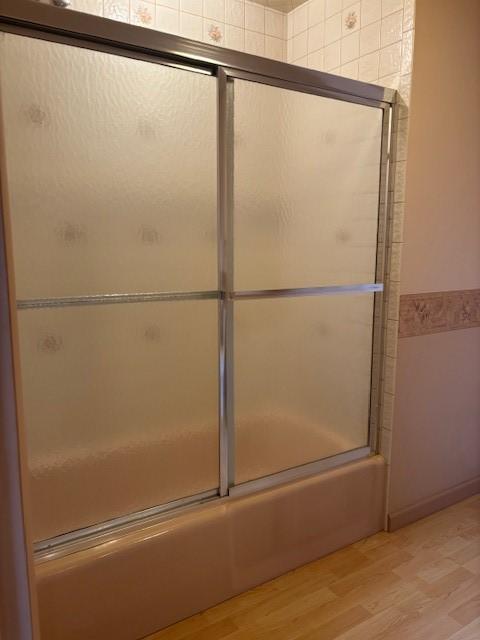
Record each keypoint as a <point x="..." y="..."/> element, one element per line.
<point x="94" y="32"/>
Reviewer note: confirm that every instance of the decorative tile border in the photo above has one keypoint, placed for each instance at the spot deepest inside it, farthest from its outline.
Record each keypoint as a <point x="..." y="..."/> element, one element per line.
<point x="424" y="313"/>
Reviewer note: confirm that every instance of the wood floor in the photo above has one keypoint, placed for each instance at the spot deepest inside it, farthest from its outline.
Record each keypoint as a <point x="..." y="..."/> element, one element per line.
<point x="420" y="583"/>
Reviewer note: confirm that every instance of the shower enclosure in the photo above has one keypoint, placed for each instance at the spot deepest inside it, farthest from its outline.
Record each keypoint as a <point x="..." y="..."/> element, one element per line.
<point x="198" y="256"/>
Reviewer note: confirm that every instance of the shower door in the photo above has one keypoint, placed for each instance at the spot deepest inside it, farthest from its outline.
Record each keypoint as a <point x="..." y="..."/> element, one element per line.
<point x="111" y="169"/>
<point x="198" y="270"/>
<point x="302" y="201"/>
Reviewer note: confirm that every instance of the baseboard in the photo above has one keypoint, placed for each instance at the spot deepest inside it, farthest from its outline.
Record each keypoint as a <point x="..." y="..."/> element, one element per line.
<point x="432" y="504"/>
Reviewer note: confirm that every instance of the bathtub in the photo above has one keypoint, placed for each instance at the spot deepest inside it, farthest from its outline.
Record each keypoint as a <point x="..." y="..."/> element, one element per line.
<point x="149" y="577"/>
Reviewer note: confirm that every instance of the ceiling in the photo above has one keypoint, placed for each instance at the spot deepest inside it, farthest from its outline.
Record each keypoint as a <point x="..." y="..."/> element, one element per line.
<point x="281" y="5"/>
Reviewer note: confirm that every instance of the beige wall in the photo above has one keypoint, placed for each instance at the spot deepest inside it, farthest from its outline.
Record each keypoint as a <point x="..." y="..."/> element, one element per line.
<point x="436" y="434"/>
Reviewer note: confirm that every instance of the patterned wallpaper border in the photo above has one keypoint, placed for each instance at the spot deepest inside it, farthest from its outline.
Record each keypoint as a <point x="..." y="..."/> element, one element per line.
<point x="425" y="313"/>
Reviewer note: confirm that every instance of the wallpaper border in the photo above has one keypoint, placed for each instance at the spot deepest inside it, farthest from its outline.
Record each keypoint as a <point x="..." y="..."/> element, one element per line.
<point x="435" y="312"/>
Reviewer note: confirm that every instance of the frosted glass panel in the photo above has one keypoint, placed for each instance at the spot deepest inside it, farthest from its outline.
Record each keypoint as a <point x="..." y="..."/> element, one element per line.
<point x="112" y="172"/>
<point x="302" y="380"/>
<point x="306" y="189"/>
<point x="120" y="408"/>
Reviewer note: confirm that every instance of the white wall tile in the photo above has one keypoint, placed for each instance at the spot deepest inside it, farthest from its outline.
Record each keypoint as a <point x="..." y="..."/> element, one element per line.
<point x="400" y="181"/>
<point x="393" y="299"/>
<point x="407" y="52"/>
<point x="316" y="60"/>
<point x="142" y="13"/>
<point x="302" y="62"/>
<point x="290" y="17"/>
<point x="167" y="20"/>
<point x="387" y="410"/>
<point x="333" y="28"/>
<point x="408" y="14"/>
<point x="350" y="70"/>
<point x="398" y="218"/>
<point x="95" y="7"/>
<point x="332" y="56"/>
<point x="172" y="4"/>
<point x="395" y="261"/>
<point x="392" y="28"/>
<point x="191" y="26"/>
<point x="392" y="81"/>
<point x="117" y="10"/>
<point x="274" y="23"/>
<point x="316" y="12"/>
<point x="371" y="11"/>
<point x="300" y="45"/>
<point x="353" y="12"/>
<point x="385" y="444"/>
<point x="290" y="50"/>
<point x="390" y="6"/>
<point x="235" y="13"/>
<point x="391" y="338"/>
<point x="390" y="59"/>
<point x="350" y="48"/>
<point x="404" y="90"/>
<point x="300" y="19"/>
<point x="214" y="10"/>
<point x="390" y="374"/>
<point x="254" y="17"/>
<point x="274" y="48"/>
<point x="255" y="43"/>
<point x="368" y="67"/>
<point x="192" y="6"/>
<point x="370" y="38"/>
<point x="214" y="32"/>
<point x="234" y="37"/>
<point x="332" y="6"/>
<point x="316" y="37"/>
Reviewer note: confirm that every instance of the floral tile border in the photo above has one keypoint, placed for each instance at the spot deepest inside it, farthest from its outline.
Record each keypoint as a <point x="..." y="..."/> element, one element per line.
<point x="424" y="313"/>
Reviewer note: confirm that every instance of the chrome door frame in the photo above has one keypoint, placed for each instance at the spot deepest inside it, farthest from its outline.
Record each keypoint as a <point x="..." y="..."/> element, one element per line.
<point x="40" y="21"/>
<point x="226" y="78"/>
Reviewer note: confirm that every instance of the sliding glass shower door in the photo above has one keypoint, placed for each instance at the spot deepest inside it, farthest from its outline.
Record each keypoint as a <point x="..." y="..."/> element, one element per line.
<point x="304" y="240"/>
<point x="197" y="272"/>
<point x="111" y="167"/>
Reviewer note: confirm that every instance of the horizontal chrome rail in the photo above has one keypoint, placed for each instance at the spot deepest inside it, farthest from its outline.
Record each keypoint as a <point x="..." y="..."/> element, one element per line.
<point x="87" y="537"/>
<point x="116" y="298"/>
<point x="295" y="473"/>
<point x="307" y="291"/>
<point x="75" y="540"/>
<point x="119" y="298"/>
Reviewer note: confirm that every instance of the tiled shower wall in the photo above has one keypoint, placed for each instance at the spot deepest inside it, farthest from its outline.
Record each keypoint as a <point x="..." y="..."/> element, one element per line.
<point x="235" y="24"/>
<point x="368" y="40"/>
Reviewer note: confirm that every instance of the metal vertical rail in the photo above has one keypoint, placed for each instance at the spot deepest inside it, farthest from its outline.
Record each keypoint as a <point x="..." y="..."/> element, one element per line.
<point x="18" y="601"/>
<point x="380" y="311"/>
<point x="225" y="280"/>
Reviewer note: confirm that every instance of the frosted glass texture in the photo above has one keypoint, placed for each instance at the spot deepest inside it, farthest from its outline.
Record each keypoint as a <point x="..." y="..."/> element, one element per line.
<point x="306" y="189"/>
<point x="302" y="380"/>
<point x="112" y="172"/>
<point x="120" y="405"/>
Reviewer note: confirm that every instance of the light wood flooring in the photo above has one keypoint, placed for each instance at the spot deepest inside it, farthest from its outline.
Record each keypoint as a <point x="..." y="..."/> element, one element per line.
<point x="419" y="583"/>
